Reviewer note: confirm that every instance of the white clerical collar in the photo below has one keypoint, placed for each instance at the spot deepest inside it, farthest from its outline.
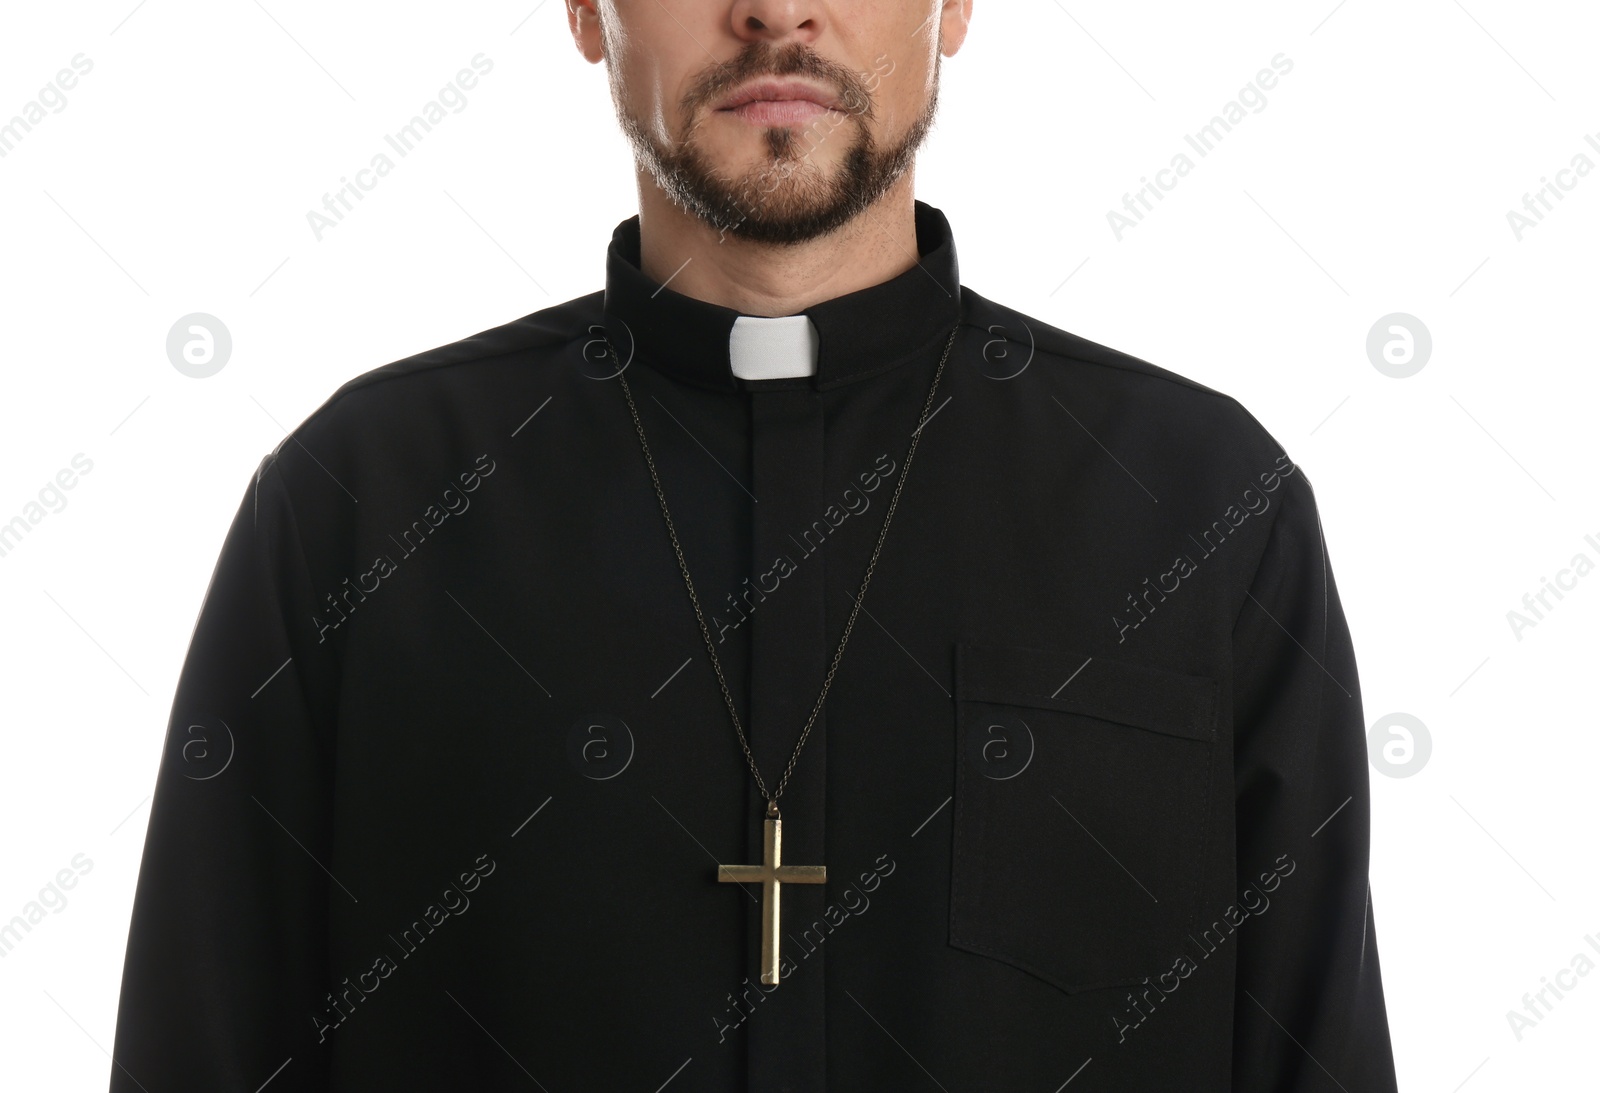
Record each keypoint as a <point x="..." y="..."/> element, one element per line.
<point x="764" y="349"/>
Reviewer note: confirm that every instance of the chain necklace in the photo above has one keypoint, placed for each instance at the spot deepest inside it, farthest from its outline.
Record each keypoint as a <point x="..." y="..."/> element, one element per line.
<point x="772" y="873"/>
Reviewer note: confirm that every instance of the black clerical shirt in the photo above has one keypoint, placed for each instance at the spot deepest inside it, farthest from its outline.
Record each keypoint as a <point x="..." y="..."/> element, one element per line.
<point x="449" y="774"/>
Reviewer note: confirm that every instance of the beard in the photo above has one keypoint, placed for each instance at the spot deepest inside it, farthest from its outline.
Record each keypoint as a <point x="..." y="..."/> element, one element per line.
<point x="785" y="198"/>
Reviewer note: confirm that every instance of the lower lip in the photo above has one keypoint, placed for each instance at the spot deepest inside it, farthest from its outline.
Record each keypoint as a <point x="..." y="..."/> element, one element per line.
<point x="779" y="112"/>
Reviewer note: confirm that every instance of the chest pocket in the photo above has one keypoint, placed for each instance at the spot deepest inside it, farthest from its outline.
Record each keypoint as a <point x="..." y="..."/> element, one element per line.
<point x="1080" y="812"/>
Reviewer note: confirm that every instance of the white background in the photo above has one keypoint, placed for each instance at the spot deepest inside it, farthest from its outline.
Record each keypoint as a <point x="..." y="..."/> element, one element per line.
<point x="1377" y="179"/>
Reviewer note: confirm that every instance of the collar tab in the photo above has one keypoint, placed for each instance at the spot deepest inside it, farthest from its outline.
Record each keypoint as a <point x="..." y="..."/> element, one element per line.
<point x="760" y="348"/>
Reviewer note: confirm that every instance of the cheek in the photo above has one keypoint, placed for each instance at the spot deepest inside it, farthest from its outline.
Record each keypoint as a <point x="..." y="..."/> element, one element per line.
<point x="903" y="93"/>
<point x="647" y="97"/>
<point x="900" y="70"/>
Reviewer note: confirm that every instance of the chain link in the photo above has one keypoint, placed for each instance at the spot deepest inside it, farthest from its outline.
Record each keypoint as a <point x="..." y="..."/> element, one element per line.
<point x="705" y="631"/>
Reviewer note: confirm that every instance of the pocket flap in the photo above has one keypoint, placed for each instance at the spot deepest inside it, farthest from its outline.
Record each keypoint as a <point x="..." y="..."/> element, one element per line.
<point x="1121" y="691"/>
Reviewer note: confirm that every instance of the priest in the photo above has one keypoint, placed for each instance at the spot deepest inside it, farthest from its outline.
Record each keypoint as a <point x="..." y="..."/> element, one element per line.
<point x="783" y="670"/>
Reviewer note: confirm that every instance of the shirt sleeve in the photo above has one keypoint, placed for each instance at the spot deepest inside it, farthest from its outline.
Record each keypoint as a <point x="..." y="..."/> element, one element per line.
<point x="226" y="955"/>
<point x="1308" y="1005"/>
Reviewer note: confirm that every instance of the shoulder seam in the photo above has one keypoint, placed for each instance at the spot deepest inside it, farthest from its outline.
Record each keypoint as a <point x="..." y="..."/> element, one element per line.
<point x="376" y="375"/>
<point x="1169" y="377"/>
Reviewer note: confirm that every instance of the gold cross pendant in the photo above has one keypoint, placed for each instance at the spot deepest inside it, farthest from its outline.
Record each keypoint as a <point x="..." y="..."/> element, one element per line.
<point x="773" y="876"/>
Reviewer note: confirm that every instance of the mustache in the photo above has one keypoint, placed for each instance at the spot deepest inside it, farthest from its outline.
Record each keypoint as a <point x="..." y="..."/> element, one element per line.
<point x="762" y="59"/>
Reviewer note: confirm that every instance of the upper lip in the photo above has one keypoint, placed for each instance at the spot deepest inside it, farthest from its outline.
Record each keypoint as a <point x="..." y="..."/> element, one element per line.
<point x="770" y="90"/>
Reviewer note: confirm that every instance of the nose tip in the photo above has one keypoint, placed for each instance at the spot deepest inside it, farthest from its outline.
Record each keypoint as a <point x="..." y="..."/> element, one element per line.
<point x="778" y="21"/>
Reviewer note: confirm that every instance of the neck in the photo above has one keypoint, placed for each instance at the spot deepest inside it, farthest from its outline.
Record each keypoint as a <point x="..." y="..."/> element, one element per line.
<point x="772" y="279"/>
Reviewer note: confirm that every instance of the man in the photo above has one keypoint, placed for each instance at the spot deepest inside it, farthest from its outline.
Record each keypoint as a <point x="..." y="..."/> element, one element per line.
<point x="785" y="670"/>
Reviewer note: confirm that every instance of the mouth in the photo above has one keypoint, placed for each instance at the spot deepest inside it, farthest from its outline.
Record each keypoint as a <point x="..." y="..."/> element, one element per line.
<point x="770" y="103"/>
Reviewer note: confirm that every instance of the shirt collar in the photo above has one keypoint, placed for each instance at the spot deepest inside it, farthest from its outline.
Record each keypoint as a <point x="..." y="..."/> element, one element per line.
<point x="859" y="335"/>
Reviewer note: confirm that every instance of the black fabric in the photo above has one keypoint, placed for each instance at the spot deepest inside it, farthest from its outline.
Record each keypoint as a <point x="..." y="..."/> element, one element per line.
<point x="448" y="772"/>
